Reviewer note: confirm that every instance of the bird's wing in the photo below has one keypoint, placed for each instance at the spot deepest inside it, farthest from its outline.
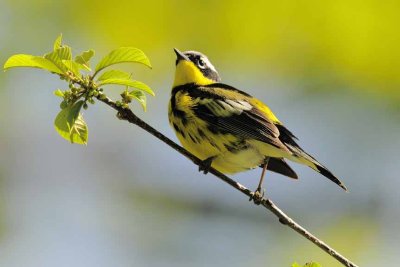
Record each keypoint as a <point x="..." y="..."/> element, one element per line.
<point x="228" y="110"/>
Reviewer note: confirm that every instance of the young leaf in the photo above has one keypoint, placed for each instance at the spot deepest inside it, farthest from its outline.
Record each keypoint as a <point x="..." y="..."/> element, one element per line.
<point x="59" y="93"/>
<point x="128" y="82"/>
<point x="58" y="42"/>
<point x="62" y="53"/>
<point x="84" y="59"/>
<point x="74" y="112"/>
<point x="123" y="54"/>
<point x="79" y="131"/>
<point x="72" y="66"/>
<point x="140" y="97"/>
<point x="114" y="74"/>
<point x="70" y="125"/>
<point x="58" y="55"/>
<point x="22" y="60"/>
<point x="296" y="265"/>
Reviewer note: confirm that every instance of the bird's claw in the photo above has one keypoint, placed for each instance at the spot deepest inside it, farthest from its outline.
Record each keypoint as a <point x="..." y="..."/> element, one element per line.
<point x="205" y="165"/>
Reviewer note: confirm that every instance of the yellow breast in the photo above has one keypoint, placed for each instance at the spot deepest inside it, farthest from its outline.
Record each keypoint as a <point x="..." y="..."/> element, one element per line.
<point x="231" y="154"/>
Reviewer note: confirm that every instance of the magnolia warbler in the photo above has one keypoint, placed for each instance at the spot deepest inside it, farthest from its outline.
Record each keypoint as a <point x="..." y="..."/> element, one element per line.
<point x="229" y="129"/>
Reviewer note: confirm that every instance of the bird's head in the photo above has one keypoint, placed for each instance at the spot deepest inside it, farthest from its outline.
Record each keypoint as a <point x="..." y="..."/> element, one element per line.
<point x="194" y="67"/>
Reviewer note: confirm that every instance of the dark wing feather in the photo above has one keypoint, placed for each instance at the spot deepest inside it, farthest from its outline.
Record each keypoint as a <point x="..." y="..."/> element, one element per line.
<point x="280" y="166"/>
<point x="246" y="125"/>
<point x="235" y="116"/>
<point x="287" y="137"/>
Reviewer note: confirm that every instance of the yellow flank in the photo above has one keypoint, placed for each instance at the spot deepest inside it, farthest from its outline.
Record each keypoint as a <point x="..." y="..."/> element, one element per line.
<point x="208" y="144"/>
<point x="187" y="72"/>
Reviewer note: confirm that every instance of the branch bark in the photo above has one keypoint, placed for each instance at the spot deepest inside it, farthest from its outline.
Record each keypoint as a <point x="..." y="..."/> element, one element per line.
<point x="128" y="115"/>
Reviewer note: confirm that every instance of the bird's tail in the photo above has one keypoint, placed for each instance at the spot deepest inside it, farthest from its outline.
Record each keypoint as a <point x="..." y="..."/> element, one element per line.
<point x="300" y="156"/>
<point x="325" y="172"/>
<point x="303" y="157"/>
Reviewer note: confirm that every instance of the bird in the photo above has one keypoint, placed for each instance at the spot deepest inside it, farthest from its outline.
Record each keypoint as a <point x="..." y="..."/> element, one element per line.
<point x="228" y="129"/>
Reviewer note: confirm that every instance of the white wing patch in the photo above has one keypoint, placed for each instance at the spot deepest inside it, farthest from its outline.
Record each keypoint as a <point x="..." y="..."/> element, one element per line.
<point x="241" y="105"/>
<point x="226" y="108"/>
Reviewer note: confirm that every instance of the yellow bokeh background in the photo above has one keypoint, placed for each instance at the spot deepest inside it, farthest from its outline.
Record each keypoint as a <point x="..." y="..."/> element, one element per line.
<point x="328" y="69"/>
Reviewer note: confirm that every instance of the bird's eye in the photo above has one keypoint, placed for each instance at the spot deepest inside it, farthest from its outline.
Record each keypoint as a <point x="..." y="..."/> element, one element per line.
<point x="201" y="63"/>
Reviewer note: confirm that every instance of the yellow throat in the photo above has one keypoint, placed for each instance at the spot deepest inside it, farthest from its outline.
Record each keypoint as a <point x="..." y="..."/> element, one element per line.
<point x="186" y="72"/>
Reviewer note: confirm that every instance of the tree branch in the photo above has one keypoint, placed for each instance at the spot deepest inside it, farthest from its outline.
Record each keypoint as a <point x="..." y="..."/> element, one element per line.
<point x="128" y="115"/>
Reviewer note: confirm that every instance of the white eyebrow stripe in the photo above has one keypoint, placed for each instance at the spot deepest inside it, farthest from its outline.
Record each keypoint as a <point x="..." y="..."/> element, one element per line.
<point x="208" y="63"/>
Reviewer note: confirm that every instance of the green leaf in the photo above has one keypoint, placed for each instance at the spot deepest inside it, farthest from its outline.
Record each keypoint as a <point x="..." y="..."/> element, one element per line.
<point x="62" y="53"/>
<point x="74" y="111"/>
<point x="114" y="74"/>
<point x="58" y="42"/>
<point x="296" y="265"/>
<point x="63" y="104"/>
<point x="58" y="55"/>
<point x="72" y="66"/>
<point x="140" y="97"/>
<point x="23" y="60"/>
<point x="128" y="82"/>
<point x="121" y="55"/>
<point x="70" y="125"/>
<point x="84" y="59"/>
<point x="59" y="93"/>
<point x="85" y="56"/>
<point x="79" y="131"/>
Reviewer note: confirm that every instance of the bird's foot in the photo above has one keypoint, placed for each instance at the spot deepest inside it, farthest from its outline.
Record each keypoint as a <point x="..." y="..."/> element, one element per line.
<point x="257" y="196"/>
<point x="205" y="165"/>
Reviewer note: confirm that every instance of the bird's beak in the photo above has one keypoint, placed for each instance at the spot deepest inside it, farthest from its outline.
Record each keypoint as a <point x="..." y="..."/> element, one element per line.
<point x="180" y="56"/>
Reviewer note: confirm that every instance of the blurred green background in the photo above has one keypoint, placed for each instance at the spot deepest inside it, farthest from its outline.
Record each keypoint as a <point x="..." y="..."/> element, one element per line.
<point x="328" y="69"/>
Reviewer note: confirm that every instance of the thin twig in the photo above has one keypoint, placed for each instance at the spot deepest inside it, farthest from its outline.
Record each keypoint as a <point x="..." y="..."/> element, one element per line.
<point x="127" y="114"/>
